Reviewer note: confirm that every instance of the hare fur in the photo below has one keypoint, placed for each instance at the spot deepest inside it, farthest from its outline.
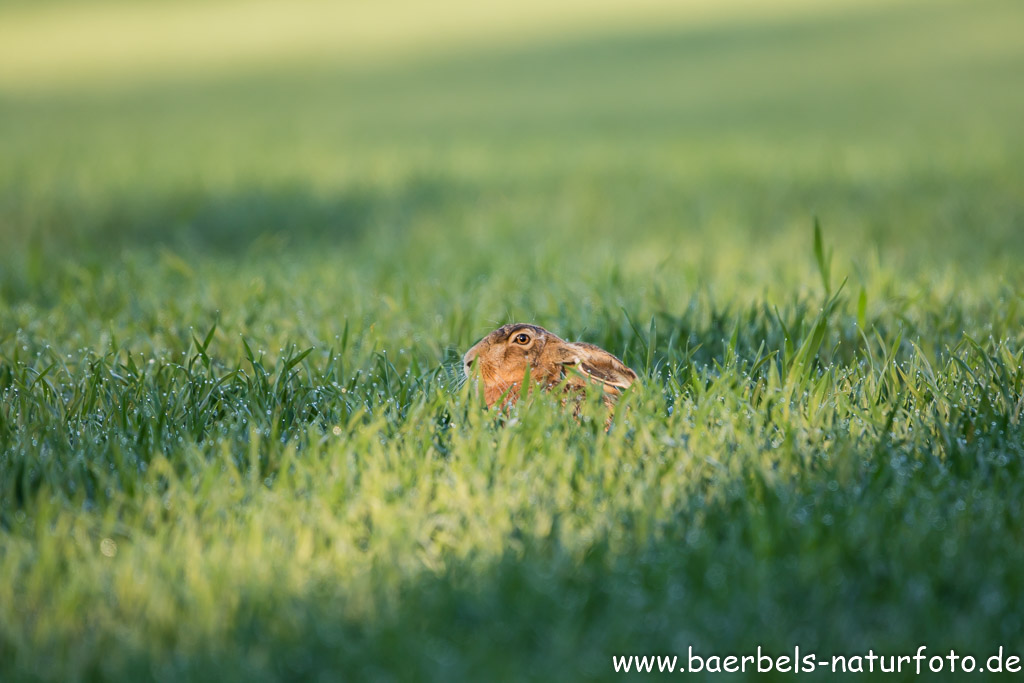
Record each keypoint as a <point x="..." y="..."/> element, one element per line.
<point x="502" y="358"/>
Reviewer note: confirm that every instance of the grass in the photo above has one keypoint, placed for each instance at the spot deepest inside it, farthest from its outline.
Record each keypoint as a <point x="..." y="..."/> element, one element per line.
<point x="233" y="441"/>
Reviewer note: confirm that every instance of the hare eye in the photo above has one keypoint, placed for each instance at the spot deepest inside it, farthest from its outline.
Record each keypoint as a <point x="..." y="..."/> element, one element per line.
<point x="522" y="338"/>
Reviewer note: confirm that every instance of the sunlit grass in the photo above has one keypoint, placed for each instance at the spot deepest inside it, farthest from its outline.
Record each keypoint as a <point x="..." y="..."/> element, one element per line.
<point x="102" y="43"/>
<point x="233" y="439"/>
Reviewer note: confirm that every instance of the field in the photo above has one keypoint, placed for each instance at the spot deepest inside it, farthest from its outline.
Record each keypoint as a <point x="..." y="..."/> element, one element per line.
<point x="236" y="279"/>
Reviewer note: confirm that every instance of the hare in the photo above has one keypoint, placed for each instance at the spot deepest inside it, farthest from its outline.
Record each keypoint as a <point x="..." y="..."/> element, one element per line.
<point x="504" y="355"/>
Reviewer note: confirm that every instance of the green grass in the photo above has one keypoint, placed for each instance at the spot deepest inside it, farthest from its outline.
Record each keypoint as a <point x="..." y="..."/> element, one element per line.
<point x="233" y="440"/>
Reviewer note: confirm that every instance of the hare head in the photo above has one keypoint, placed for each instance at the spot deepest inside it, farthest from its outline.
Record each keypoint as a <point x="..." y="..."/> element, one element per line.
<point x="503" y="357"/>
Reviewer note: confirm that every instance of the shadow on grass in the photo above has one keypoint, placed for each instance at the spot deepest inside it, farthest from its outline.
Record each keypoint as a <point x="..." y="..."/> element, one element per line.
<point x="88" y="233"/>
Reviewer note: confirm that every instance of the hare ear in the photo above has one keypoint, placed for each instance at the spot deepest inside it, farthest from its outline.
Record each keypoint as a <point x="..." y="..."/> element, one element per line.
<point x="600" y="366"/>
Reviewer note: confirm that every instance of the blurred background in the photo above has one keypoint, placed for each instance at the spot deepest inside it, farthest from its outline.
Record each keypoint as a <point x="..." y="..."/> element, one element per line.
<point x="350" y="194"/>
<point x="403" y="155"/>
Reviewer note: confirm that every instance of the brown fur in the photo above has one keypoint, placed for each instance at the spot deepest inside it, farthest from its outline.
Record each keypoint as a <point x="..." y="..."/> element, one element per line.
<point x="502" y="361"/>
